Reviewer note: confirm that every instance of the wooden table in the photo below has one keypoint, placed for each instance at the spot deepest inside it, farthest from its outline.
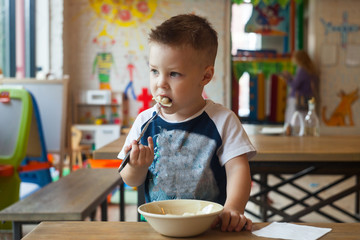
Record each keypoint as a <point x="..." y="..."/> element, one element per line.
<point x="301" y="156"/>
<point x="298" y="156"/>
<point x="309" y="149"/>
<point x="73" y="197"/>
<point x="142" y="230"/>
<point x="111" y="150"/>
<point x="279" y="148"/>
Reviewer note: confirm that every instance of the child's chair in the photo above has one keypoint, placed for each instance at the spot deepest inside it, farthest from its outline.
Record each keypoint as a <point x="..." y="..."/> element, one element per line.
<point x="16" y="111"/>
<point x="78" y="149"/>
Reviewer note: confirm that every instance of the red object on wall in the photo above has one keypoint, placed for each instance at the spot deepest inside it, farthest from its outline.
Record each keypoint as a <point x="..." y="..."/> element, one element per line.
<point x="145" y="98"/>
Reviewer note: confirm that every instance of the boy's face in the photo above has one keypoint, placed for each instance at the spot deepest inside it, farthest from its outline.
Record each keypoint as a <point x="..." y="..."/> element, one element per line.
<point x="179" y="74"/>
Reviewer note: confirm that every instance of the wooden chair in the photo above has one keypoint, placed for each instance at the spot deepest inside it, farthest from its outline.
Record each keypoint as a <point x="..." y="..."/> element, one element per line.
<point x="77" y="149"/>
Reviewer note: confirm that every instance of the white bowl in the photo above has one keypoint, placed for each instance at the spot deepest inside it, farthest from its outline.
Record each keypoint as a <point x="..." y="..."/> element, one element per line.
<point x="180" y="217"/>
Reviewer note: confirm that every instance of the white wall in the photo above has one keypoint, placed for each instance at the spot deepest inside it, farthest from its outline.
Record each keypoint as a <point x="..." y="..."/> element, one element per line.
<point x="331" y="56"/>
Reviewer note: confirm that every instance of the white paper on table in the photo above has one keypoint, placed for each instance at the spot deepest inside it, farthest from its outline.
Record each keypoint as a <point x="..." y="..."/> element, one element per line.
<point x="291" y="231"/>
<point x="272" y="130"/>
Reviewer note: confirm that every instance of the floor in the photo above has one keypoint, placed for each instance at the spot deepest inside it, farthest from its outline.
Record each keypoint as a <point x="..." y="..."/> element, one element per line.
<point x="311" y="183"/>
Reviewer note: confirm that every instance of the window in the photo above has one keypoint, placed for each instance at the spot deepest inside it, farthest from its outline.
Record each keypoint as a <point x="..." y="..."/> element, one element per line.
<point x="241" y="13"/>
<point x="22" y="53"/>
<point x="7" y="38"/>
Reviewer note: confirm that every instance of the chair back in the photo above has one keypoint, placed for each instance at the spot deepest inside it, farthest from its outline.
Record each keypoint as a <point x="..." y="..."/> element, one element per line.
<point x="76" y="135"/>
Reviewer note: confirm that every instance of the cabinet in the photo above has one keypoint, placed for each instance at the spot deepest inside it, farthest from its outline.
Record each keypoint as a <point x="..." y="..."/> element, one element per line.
<point x="98" y="135"/>
<point x="91" y="110"/>
<point x="98" y="113"/>
<point x="99" y="120"/>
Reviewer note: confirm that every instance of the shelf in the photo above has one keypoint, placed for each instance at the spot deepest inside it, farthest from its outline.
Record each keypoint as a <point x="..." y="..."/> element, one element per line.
<point x="97" y="112"/>
<point x="260" y="59"/>
<point x="99" y="105"/>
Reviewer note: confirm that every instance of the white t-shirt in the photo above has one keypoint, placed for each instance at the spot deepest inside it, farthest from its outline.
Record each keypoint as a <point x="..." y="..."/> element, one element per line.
<point x="189" y="156"/>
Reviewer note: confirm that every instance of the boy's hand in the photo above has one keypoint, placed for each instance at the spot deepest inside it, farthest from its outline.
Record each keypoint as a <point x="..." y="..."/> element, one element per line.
<point x="232" y="220"/>
<point x="141" y="156"/>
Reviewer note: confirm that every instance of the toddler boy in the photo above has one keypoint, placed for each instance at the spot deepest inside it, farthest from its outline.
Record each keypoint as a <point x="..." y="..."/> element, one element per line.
<point x="194" y="148"/>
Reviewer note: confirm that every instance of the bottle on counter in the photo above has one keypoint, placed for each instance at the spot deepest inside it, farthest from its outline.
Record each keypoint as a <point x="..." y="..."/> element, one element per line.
<point x="312" y="123"/>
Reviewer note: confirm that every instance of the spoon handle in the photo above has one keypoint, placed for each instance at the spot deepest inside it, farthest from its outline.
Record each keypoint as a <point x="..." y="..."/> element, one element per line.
<point x="127" y="156"/>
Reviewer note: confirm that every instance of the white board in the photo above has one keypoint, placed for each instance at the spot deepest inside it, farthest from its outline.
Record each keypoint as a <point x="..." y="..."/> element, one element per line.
<point x="51" y="98"/>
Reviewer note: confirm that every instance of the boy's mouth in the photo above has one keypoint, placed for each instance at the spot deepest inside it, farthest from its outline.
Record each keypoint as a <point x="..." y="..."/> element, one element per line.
<point x="164" y="101"/>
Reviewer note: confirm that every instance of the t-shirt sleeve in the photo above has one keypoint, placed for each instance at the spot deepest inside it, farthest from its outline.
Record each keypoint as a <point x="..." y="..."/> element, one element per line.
<point x="131" y="136"/>
<point x="235" y="141"/>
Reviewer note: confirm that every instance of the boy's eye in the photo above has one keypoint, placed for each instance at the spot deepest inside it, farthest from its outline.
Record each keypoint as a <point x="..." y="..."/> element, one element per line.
<point x="154" y="71"/>
<point x="175" y="74"/>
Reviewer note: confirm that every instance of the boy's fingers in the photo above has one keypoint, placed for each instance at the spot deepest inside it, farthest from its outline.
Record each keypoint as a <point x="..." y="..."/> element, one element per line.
<point x="134" y="150"/>
<point x="235" y="221"/>
<point x="242" y="223"/>
<point x="142" y="151"/>
<point x="151" y="144"/>
<point x="248" y="225"/>
<point x="225" y="220"/>
<point x="129" y="146"/>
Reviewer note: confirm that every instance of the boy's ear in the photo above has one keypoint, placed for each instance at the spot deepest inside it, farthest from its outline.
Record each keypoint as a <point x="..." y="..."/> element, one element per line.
<point x="208" y="75"/>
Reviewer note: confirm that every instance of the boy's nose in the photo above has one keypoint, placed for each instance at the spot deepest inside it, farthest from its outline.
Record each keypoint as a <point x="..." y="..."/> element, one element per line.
<point x="162" y="82"/>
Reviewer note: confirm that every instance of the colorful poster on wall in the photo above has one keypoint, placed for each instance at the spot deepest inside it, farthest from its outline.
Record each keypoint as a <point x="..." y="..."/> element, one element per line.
<point x="269" y="19"/>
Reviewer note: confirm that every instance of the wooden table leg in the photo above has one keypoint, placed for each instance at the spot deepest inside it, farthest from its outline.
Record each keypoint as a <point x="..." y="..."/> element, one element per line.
<point x="17" y="230"/>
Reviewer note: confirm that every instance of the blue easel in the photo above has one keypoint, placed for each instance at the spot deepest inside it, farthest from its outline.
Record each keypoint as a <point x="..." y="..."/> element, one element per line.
<point x="39" y="177"/>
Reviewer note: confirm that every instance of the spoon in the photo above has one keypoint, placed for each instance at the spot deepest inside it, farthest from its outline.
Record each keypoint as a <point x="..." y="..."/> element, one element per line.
<point x="127" y="156"/>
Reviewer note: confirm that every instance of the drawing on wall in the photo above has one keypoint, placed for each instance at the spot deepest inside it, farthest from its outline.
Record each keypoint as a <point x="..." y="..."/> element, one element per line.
<point x="344" y="28"/>
<point x="103" y="64"/>
<point x="343" y="110"/>
<point x="128" y="22"/>
<point x="124" y="13"/>
<point x="131" y="70"/>
<point x="104" y="60"/>
<point x="118" y="15"/>
<point x="268" y="20"/>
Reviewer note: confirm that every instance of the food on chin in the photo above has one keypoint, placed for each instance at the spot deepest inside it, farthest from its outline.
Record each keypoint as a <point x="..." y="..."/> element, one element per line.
<point x="164" y="101"/>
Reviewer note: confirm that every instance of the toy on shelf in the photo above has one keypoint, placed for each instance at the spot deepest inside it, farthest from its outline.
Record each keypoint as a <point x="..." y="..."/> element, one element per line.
<point x="115" y="118"/>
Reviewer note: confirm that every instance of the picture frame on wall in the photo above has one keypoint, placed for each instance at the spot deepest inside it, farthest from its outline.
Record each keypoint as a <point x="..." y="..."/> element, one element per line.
<point x="352" y="57"/>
